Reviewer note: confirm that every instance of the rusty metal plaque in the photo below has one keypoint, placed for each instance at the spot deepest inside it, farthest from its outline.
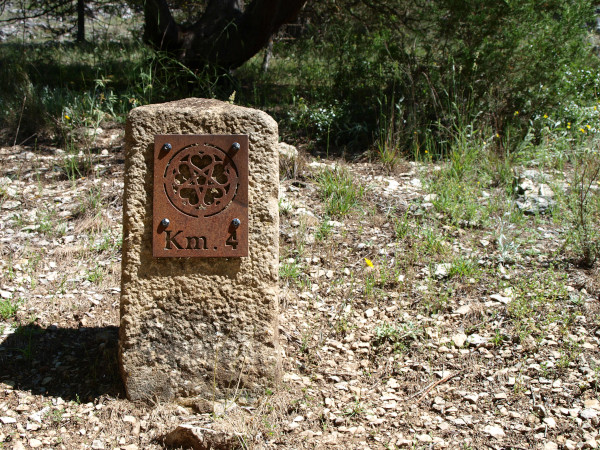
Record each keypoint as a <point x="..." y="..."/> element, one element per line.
<point x="200" y="196"/>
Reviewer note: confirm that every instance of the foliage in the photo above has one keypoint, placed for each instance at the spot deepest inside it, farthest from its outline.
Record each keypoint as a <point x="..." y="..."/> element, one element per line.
<point x="397" y="77"/>
<point x="58" y="90"/>
<point x="402" y="73"/>
<point x="583" y="203"/>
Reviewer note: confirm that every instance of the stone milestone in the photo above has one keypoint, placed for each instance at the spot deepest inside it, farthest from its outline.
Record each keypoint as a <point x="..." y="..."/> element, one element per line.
<point x="199" y="329"/>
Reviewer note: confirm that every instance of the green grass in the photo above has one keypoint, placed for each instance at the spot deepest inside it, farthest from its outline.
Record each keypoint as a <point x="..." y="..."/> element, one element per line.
<point x="107" y="241"/>
<point x="339" y="192"/>
<point x="96" y="274"/>
<point x="399" y="336"/>
<point x="9" y="308"/>
<point x="463" y="267"/>
<point x="324" y="230"/>
<point x="402" y="225"/>
<point x="290" y="271"/>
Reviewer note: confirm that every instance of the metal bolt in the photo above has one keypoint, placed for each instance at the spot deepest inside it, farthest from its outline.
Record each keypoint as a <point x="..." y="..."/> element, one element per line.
<point x="235" y="146"/>
<point x="167" y="147"/>
<point x="165" y="222"/>
<point x="236" y="222"/>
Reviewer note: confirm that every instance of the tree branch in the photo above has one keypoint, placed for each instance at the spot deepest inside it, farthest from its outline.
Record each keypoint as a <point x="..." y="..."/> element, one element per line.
<point x="226" y="35"/>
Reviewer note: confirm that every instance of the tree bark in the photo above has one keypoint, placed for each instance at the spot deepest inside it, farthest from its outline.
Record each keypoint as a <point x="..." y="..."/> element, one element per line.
<point x="80" y="20"/>
<point x="227" y="34"/>
<point x="268" y="56"/>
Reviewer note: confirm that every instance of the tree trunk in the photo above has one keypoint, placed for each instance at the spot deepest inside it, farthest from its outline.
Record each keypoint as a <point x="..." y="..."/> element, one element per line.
<point x="227" y="35"/>
<point x="80" y="20"/>
<point x="268" y="55"/>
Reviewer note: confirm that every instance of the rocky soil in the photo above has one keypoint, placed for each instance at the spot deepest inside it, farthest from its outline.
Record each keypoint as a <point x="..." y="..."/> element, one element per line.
<point x="398" y="329"/>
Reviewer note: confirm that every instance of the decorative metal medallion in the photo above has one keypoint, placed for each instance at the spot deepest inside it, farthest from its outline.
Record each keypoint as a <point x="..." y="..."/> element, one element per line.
<point x="200" y="196"/>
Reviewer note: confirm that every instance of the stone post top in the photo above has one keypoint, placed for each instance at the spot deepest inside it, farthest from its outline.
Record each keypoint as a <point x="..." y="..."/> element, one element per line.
<point x="206" y="105"/>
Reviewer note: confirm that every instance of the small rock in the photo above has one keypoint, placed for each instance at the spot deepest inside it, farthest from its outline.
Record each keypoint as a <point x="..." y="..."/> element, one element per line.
<point x="500" y="298"/>
<point x="472" y="398"/>
<point x="494" y="431"/>
<point x="442" y="270"/>
<point x="588" y="413"/>
<point x="476" y="340"/>
<point x="129" y="447"/>
<point x="550" y="446"/>
<point x="393" y="185"/>
<point x="550" y="422"/>
<point x="570" y="445"/>
<point x="35" y="443"/>
<point x="463" y="310"/>
<point x="459" y="339"/>
<point x="7" y="420"/>
<point x="416" y="182"/>
<point x="529" y="343"/>
<point x="545" y="190"/>
<point x="32" y="426"/>
<point x="11" y="204"/>
<point x="424" y="438"/>
<point x="593" y="404"/>
<point x="392" y="383"/>
<point x="98" y="445"/>
<point x="190" y="436"/>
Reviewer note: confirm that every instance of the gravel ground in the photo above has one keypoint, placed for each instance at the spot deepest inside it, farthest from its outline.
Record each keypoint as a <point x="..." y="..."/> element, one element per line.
<point x="398" y="329"/>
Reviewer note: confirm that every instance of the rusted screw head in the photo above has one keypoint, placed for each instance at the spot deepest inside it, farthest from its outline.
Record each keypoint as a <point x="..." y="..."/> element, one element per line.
<point x="167" y="147"/>
<point x="165" y="222"/>
<point x="235" y="146"/>
<point x="236" y="222"/>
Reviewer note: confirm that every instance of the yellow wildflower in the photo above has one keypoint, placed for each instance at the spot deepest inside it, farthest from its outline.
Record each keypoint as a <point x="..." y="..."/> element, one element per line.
<point x="545" y="116"/>
<point x="67" y="117"/>
<point x="588" y="127"/>
<point x="582" y="130"/>
<point x="369" y="262"/>
<point x="516" y="113"/>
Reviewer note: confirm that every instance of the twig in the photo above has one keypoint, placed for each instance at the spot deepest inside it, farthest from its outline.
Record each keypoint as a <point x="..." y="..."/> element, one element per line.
<point x="431" y="386"/>
<point x="20" y="117"/>
<point x="23" y="142"/>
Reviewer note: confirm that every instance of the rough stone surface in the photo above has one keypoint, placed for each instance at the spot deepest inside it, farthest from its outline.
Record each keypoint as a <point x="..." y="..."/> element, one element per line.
<point x="199" y="328"/>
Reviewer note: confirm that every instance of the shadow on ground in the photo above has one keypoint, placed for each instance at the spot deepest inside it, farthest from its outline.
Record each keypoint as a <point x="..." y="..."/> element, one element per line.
<point x="75" y="364"/>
